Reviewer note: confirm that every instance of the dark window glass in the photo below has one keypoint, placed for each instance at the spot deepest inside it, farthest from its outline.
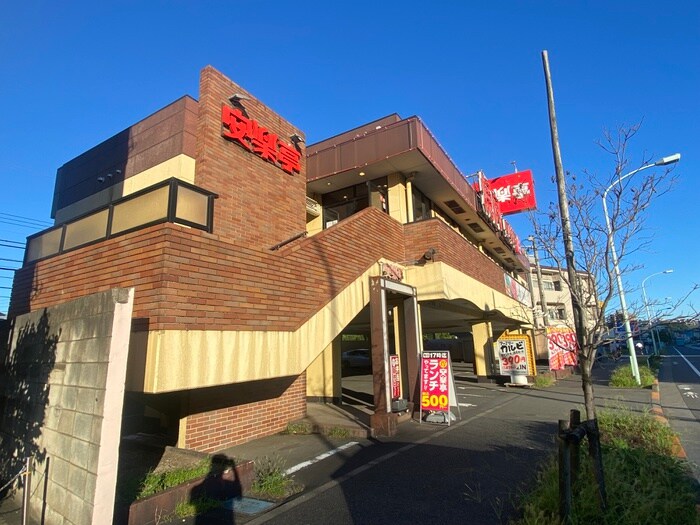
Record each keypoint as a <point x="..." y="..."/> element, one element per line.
<point x="421" y="205"/>
<point x="340" y="204"/>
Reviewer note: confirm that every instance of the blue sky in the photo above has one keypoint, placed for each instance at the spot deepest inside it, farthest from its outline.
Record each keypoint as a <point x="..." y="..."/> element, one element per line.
<point x="75" y="73"/>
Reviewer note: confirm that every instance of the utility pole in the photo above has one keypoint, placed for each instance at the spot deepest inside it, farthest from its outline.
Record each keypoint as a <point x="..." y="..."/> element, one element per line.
<point x="579" y="314"/>
<point x="580" y="322"/>
<point x="531" y="287"/>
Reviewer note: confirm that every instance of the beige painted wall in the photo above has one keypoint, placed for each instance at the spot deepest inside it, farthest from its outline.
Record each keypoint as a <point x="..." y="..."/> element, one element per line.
<point x="180" y="167"/>
<point x="171" y="360"/>
<point x="481" y="332"/>
<point x="441" y="281"/>
<point x="184" y="359"/>
<point x="397" y="197"/>
<point x="323" y="374"/>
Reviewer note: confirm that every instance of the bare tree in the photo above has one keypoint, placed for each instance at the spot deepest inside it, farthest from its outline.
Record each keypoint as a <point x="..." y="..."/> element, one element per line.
<point x="628" y="203"/>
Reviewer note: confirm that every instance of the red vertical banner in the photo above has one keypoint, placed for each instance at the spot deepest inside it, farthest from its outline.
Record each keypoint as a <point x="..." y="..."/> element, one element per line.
<point x="563" y="348"/>
<point x="395" y="367"/>
<point x="435" y="376"/>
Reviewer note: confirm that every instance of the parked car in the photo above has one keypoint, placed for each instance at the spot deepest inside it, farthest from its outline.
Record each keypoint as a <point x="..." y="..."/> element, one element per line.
<point x="358" y="358"/>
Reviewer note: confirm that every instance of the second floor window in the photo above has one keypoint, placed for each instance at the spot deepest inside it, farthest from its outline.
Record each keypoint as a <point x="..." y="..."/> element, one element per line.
<point x="557" y="313"/>
<point x="340" y="204"/>
<point x="552" y="285"/>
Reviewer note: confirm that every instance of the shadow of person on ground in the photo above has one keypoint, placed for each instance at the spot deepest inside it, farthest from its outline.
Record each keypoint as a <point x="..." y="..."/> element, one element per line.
<point x="221" y="484"/>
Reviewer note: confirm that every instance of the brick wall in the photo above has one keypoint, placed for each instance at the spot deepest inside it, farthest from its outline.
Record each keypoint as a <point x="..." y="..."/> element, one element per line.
<point x="226" y="416"/>
<point x="189" y="279"/>
<point x="134" y="259"/>
<point x="454" y="250"/>
<point x="259" y="205"/>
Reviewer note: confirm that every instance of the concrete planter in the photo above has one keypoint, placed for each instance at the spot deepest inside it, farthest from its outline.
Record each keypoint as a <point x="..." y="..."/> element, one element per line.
<point x="226" y="485"/>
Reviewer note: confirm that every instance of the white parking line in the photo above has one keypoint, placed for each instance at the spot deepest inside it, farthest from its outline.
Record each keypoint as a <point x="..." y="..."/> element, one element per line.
<point x="304" y="464"/>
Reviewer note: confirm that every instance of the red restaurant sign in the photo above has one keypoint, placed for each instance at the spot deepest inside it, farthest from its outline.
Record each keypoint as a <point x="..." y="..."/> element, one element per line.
<point x="514" y="192"/>
<point x="491" y="211"/>
<point x="257" y="139"/>
<point x="489" y="204"/>
<point x="434" y="380"/>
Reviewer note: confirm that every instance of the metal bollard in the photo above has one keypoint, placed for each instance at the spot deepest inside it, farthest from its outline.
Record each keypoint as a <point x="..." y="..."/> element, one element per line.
<point x="574" y="423"/>
<point x="565" y="496"/>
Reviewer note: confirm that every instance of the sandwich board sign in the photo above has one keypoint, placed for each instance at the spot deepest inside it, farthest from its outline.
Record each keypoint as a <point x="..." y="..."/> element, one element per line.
<point x="437" y="385"/>
<point x="515" y="357"/>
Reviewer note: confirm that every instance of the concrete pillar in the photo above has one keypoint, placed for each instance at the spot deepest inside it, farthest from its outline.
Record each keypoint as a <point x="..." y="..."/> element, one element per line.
<point x="409" y="198"/>
<point x="410" y="361"/>
<point x="382" y="421"/>
<point x="483" y="349"/>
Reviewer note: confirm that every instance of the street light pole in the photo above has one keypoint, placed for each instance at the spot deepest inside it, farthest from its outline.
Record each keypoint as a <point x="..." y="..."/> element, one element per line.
<point x="646" y="305"/>
<point x="616" y="266"/>
<point x="538" y="269"/>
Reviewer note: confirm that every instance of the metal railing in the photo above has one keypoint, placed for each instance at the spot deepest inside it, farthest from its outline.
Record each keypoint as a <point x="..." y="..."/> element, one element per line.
<point x="25" y="471"/>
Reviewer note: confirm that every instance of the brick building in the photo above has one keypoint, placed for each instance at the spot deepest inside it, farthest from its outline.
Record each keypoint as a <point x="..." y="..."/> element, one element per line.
<point x="254" y="255"/>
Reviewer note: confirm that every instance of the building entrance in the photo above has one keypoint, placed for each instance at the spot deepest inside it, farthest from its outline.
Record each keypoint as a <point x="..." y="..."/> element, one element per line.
<point x="396" y="344"/>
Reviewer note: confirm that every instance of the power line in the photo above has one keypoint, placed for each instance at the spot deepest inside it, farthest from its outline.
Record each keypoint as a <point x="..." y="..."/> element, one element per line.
<point x="26" y="219"/>
<point x="11" y="246"/>
<point x="13" y="242"/>
<point x="10" y="260"/>
<point x="23" y="224"/>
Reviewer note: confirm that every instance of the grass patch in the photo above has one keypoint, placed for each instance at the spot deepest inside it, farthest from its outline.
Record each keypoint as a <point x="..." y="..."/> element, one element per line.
<point x="154" y="483"/>
<point x="338" y="432"/>
<point x="271" y="480"/>
<point x="199" y="505"/>
<point x="299" y="427"/>
<point x="136" y="488"/>
<point x="544" y="380"/>
<point x="645" y="483"/>
<point x="622" y="377"/>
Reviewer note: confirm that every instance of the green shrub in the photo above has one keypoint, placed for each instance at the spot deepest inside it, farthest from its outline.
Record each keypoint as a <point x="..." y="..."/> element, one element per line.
<point x="154" y="483"/>
<point x="645" y="483"/>
<point x="544" y="380"/>
<point x="271" y="480"/>
<point x="622" y="377"/>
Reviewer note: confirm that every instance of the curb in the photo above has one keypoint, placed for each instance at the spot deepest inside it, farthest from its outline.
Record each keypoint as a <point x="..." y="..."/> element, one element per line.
<point x="658" y="412"/>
